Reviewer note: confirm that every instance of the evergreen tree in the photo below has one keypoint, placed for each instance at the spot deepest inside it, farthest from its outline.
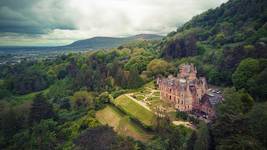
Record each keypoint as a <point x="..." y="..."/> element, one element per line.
<point x="203" y="138"/>
<point x="134" y="79"/>
<point x="40" y="109"/>
<point x="191" y="141"/>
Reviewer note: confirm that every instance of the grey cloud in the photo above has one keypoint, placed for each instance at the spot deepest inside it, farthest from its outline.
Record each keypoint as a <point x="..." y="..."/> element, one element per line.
<point x="63" y="21"/>
<point x="34" y="17"/>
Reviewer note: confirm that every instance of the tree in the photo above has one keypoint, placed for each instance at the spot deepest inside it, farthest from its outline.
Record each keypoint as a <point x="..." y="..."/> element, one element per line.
<point x="191" y="141"/>
<point x="102" y="137"/>
<point x="158" y="66"/>
<point x="214" y="76"/>
<point x="245" y="70"/>
<point x="181" y="115"/>
<point x="178" y="137"/>
<point x="4" y="93"/>
<point x="41" y="136"/>
<point x="40" y="109"/>
<point x="59" y="90"/>
<point x="158" y="144"/>
<point x="203" y="137"/>
<point x="230" y="129"/>
<point x="10" y="123"/>
<point x="230" y="119"/>
<point x="62" y="74"/>
<point x="138" y="63"/>
<point x="257" y="123"/>
<point x="64" y="103"/>
<point x="219" y="38"/>
<point x="247" y="101"/>
<point x="103" y="98"/>
<point x="83" y="99"/>
<point x="134" y="80"/>
<point x="238" y="142"/>
<point x="258" y="86"/>
<point x="28" y="80"/>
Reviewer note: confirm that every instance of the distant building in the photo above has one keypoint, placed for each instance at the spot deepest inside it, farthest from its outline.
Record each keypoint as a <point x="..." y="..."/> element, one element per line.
<point x="187" y="92"/>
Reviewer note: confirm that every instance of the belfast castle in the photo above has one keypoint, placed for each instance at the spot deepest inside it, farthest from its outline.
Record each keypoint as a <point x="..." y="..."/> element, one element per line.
<point x="188" y="93"/>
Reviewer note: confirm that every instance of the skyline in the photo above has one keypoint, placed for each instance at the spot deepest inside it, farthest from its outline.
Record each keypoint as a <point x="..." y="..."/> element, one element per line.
<point x="52" y="23"/>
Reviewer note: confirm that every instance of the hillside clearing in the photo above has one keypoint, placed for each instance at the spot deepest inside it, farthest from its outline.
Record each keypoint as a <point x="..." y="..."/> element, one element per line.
<point x="121" y="123"/>
<point x="134" y="109"/>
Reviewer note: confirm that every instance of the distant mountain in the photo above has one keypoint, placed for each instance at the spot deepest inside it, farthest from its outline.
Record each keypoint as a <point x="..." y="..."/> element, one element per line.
<point x="110" y="42"/>
<point x="81" y="45"/>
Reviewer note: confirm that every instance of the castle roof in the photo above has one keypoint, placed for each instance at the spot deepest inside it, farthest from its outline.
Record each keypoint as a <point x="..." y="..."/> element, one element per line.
<point x="212" y="98"/>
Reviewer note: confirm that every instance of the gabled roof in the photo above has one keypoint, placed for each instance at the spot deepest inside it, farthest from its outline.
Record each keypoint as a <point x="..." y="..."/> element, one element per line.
<point x="212" y="98"/>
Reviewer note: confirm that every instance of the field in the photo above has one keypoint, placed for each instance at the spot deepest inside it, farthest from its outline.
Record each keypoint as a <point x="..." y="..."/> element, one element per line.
<point x="134" y="110"/>
<point x="122" y="123"/>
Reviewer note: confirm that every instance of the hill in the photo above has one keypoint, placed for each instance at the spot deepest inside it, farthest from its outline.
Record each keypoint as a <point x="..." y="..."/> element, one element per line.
<point x="221" y="37"/>
<point x="110" y="42"/>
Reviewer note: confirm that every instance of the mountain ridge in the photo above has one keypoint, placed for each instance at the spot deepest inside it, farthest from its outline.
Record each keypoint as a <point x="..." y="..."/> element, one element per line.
<point x="103" y="42"/>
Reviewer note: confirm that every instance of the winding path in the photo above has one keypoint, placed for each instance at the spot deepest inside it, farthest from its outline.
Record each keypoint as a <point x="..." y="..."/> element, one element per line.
<point x="129" y="95"/>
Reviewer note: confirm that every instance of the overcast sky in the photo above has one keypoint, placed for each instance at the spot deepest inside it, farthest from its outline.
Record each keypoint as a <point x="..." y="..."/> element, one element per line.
<point x="60" y="22"/>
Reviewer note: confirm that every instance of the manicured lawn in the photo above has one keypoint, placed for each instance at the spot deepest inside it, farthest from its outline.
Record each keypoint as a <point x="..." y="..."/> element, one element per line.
<point x="154" y="98"/>
<point x="134" y="110"/>
<point x="121" y="123"/>
<point x="144" y="92"/>
<point x="157" y="93"/>
<point x="140" y="97"/>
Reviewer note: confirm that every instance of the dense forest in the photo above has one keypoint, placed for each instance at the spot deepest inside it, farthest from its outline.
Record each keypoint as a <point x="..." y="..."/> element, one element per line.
<point x="51" y="104"/>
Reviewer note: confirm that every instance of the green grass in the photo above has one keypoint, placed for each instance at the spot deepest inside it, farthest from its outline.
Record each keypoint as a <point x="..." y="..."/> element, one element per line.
<point x="154" y="98"/>
<point x="150" y="85"/>
<point x="134" y="110"/>
<point x="121" y="123"/>
<point x="16" y="100"/>
<point x="157" y="94"/>
<point x="157" y="103"/>
<point x="1" y="82"/>
<point x="139" y="97"/>
<point x="143" y="89"/>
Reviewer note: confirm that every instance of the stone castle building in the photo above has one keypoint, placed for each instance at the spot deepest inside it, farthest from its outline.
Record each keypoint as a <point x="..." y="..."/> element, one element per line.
<point x="187" y="92"/>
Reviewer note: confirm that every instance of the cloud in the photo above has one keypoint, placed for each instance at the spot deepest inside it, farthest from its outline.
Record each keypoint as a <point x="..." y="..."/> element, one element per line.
<point x="64" y="21"/>
<point x="34" y="17"/>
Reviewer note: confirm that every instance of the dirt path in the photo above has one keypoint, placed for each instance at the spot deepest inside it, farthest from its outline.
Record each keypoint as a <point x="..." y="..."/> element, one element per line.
<point x="184" y="123"/>
<point x="129" y="95"/>
<point x="152" y="91"/>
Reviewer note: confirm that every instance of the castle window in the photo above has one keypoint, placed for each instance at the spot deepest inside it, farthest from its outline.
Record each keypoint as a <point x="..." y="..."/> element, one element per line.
<point x="170" y="97"/>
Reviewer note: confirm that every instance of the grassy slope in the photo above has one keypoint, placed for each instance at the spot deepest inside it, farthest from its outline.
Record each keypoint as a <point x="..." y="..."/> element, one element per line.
<point x="121" y="123"/>
<point x="17" y="100"/>
<point x="135" y="110"/>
